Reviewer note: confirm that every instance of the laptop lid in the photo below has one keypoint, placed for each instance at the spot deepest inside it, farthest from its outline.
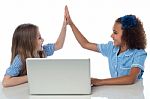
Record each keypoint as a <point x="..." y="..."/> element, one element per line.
<point x="58" y="76"/>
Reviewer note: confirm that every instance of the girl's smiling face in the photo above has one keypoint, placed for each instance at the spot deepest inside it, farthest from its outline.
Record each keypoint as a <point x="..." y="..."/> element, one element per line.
<point x="117" y="34"/>
<point x="40" y="41"/>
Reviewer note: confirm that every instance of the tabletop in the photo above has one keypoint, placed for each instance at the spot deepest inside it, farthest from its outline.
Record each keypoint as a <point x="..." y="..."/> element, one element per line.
<point x="134" y="91"/>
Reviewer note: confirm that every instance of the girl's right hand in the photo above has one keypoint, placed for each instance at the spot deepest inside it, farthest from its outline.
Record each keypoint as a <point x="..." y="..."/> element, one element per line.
<point x="67" y="15"/>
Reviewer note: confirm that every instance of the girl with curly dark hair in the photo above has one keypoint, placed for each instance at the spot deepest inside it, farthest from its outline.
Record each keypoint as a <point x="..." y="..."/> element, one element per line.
<point x="126" y="54"/>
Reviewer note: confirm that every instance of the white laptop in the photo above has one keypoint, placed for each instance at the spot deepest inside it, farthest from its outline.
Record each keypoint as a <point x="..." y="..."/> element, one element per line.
<point x="58" y="76"/>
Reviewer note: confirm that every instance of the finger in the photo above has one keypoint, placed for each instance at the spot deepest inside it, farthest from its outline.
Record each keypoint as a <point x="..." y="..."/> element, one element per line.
<point x="93" y="78"/>
<point x="65" y="13"/>
<point x="66" y="10"/>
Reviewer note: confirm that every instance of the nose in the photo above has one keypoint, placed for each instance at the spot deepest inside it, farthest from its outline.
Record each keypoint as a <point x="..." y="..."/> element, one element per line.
<point x="42" y="40"/>
<point x="112" y="35"/>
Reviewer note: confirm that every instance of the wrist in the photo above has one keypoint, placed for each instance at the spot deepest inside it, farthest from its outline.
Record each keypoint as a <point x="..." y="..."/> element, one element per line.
<point x="71" y="23"/>
<point x="64" y="25"/>
<point x="101" y="82"/>
<point x="25" y="78"/>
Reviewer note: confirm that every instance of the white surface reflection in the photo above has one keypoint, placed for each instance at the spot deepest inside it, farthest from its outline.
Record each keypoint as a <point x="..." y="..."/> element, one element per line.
<point x="134" y="91"/>
<point x="60" y="97"/>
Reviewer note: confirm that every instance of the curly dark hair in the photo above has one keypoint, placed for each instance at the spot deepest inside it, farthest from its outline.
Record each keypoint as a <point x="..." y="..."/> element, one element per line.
<point x="133" y="32"/>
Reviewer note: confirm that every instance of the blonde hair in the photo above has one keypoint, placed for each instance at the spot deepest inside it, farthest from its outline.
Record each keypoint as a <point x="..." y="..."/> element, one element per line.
<point x="24" y="43"/>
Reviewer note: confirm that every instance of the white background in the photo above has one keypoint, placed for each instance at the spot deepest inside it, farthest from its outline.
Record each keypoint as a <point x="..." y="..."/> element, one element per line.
<point x="94" y="18"/>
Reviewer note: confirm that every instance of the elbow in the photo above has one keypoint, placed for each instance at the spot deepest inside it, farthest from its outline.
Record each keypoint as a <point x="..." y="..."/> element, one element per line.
<point x="5" y="84"/>
<point x="61" y="46"/>
<point x="131" y="81"/>
<point x="58" y="46"/>
<point x="84" y="45"/>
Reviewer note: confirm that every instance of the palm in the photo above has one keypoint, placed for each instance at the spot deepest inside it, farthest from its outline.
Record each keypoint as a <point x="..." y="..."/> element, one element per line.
<point x="69" y="21"/>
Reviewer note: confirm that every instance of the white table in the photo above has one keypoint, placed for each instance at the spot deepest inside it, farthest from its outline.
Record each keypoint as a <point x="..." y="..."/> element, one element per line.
<point x="134" y="91"/>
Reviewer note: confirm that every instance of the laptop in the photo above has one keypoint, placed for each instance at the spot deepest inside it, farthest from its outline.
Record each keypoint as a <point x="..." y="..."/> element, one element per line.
<point x="58" y="76"/>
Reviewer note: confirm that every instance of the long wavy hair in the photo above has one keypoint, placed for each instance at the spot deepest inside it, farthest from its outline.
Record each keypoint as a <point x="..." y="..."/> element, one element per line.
<point x="24" y="42"/>
<point x="133" y="32"/>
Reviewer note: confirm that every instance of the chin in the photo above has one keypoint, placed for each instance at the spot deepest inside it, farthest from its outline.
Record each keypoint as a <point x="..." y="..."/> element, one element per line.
<point x="115" y="44"/>
<point x="40" y="49"/>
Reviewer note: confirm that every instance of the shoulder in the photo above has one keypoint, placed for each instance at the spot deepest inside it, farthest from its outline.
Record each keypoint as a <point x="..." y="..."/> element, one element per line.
<point x="140" y="52"/>
<point x="135" y="52"/>
<point x="49" y="45"/>
<point x="107" y="46"/>
<point x="49" y="49"/>
<point x="15" y="66"/>
<point x="107" y="49"/>
<point x="17" y="60"/>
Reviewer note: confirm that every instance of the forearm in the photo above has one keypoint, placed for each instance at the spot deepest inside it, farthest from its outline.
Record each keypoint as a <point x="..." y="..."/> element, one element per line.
<point x="80" y="38"/>
<point x="124" y="80"/>
<point x="13" y="81"/>
<point x="60" y="41"/>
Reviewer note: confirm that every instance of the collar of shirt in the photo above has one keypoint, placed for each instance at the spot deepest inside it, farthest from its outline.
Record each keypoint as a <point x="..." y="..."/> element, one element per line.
<point x="128" y="52"/>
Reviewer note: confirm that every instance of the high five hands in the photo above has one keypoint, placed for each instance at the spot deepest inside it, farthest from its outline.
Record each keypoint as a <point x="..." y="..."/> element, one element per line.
<point x="67" y="16"/>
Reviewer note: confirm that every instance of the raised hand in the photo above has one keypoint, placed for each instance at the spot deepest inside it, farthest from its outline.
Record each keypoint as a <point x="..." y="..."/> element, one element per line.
<point x="67" y="15"/>
<point x="65" y="19"/>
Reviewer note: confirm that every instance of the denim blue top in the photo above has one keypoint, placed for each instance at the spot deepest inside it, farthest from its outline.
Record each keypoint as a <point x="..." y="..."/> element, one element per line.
<point x="15" y="67"/>
<point x="120" y="65"/>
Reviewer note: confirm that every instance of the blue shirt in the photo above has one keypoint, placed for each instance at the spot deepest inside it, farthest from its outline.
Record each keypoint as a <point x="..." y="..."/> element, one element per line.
<point x="15" y="67"/>
<point x="120" y="65"/>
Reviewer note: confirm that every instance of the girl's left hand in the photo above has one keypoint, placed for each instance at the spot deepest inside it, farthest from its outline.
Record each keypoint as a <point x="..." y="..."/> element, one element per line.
<point x="96" y="81"/>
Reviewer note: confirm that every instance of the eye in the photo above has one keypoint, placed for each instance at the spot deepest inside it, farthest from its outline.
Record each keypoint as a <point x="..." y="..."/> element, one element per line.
<point x="115" y="32"/>
<point x="40" y="37"/>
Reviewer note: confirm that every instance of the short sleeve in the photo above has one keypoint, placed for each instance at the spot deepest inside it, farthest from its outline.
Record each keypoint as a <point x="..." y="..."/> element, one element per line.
<point x="15" y="67"/>
<point x="49" y="49"/>
<point x="139" y="60"/>
<point x="105" y="49"/>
